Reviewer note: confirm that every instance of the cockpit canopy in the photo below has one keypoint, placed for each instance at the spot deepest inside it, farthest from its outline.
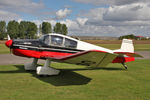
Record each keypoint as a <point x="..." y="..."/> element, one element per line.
<point x="59" y="40"/>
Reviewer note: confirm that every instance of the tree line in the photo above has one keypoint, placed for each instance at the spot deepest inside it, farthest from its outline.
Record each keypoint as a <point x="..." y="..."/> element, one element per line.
<point x="130" y="36"/>
<point x="29" y="30"/>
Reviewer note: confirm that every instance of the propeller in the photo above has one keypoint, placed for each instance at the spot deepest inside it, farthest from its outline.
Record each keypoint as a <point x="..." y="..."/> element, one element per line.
<point x="9" y="43"/>
<point x="8" y="37"/>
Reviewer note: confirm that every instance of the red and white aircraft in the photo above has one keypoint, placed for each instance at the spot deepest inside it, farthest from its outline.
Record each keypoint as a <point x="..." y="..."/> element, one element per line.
<point x="61" y="48"/>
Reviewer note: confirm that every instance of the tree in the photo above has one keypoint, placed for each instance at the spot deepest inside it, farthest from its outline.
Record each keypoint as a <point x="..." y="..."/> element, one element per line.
<point x="32" y="30"/>
<point x="64" y="29"/>
<point x="13" y="29"/>
<point x="57" y="28"/>
<point x="27" y="30"/>
<point x="2" y="29"/>
<point x="46" y="28"/>
<point x="22" y="29"/>
<point x="130" y="36"/>
<point x="61" y="29"/>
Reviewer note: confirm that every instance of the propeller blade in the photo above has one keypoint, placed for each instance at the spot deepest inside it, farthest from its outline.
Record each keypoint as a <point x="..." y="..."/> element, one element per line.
<point x="8" y="37"/>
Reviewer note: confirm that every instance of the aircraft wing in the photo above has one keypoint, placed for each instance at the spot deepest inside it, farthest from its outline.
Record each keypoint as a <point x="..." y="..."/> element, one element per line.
<point x="92" y="58"/>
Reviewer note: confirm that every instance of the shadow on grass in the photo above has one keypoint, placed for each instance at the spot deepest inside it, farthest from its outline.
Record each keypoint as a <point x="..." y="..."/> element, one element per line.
<point x="65" y="78"/>
<point x="101" y="68"/>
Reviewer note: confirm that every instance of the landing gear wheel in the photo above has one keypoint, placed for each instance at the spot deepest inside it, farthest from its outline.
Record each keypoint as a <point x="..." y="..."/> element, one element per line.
<point x="46" y="70"/>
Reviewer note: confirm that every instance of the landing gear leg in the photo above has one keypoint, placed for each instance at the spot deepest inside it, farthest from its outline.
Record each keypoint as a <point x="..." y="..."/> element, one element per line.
<point x="46" y="70"/>
<point x="125" y="66"/>
<point x="31" y="66"/>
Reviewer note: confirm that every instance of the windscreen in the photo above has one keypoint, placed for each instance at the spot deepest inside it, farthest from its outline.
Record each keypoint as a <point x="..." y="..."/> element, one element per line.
<point x="45" y="39"/>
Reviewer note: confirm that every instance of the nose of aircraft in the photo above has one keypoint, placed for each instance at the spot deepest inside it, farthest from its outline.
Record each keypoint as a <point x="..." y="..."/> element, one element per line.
<point x="8" y="43"/>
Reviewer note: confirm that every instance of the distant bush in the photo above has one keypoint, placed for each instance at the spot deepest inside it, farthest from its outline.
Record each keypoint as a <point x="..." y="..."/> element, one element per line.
<point x="131" y="36"/>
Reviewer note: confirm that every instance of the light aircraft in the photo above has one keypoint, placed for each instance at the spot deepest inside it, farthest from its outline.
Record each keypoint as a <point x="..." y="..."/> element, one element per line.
<point x="61" y="48"/>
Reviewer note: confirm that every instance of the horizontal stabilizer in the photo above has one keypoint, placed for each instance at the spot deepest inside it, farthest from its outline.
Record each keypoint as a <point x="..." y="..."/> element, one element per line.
<point x="129" y="54"/>
<point x="127" y="49"/>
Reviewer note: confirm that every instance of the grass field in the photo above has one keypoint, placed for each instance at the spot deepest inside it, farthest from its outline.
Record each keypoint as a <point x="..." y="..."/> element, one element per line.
<point x="77" y="83"/>
<point x="138" y="47"/>
<point x="3" y="49"/>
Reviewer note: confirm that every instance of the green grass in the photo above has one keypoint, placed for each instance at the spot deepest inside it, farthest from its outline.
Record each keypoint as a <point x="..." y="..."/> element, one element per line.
<point x="4" y="49"/>
<point x="77" y="83"/>
<point x="142" y="47"/>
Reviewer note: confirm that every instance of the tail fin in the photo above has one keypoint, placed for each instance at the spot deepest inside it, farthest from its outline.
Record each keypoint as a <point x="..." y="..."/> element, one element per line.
<point x="126" y="46"/>
<point x="127" y="49"/>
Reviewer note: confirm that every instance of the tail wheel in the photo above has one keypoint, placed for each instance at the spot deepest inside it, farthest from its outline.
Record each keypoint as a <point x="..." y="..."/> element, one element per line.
<point x="125" y="66"/>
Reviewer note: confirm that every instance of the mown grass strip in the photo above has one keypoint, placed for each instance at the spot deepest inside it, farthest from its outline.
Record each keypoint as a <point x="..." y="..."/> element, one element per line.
<point x="77" y="83"/>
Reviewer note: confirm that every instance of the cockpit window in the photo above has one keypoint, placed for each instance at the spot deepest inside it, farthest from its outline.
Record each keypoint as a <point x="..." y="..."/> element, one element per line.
<point x="70" y="43"/>
<point x="56" y="40"/>
<point x="46" y="39"/>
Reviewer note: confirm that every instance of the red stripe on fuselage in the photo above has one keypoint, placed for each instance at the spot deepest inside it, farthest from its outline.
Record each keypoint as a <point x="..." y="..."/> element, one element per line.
<point x="49" y="54"/>
<point x="39" y="54"/>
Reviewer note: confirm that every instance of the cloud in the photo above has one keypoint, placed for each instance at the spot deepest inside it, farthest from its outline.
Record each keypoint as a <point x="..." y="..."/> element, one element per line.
<point x="111" y="2"/>
<point x="62" y="13"/>
<point x="71" y="24"/>
<point x="119" y="17"/>
<point x="37" y="22"/>
<point x="132" y="12"/>
<point x="22" y="6"/>
<point x="117" y="20"/>
<point x="126" y="2"/>
<point x="95" y="2"/>
<point x="19" y="20"/>
<point x="93" y="14"/>
<point x="5" y="15"/>
<point x="125" y="15"/>
<point x="81" y="21"/>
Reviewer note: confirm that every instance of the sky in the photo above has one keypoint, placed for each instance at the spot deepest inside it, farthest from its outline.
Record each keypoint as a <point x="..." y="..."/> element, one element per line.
<point x="83" y="17"/>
